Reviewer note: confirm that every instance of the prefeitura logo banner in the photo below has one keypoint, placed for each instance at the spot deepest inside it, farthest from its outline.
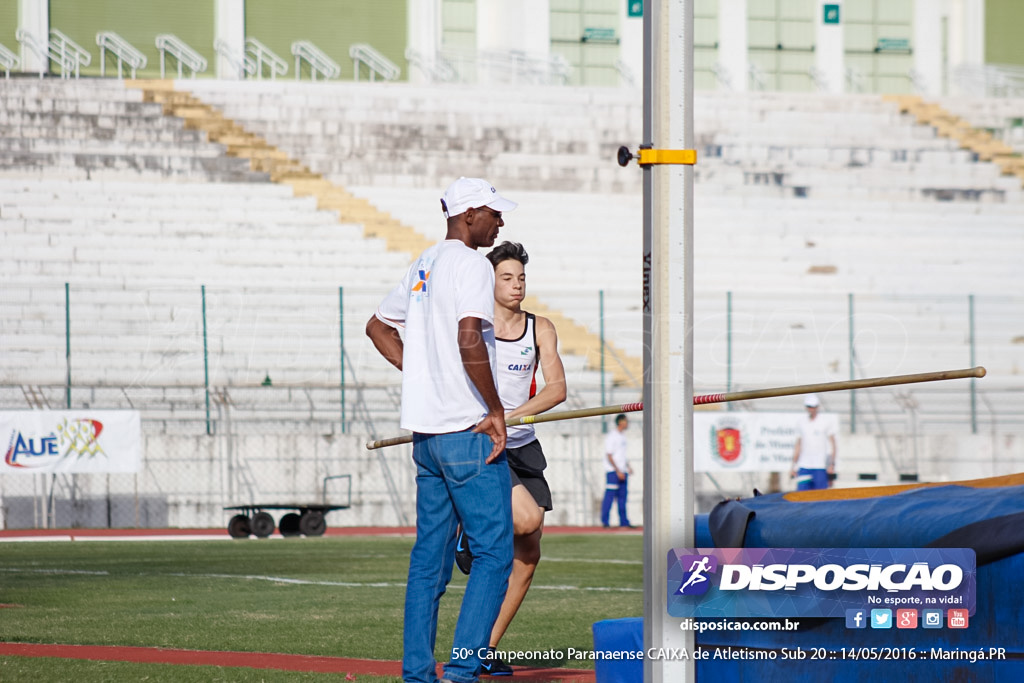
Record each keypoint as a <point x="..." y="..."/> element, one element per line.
<point x="816" y="582"/>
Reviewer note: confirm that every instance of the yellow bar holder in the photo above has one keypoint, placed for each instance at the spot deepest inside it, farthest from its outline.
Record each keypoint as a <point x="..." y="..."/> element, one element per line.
<point x="650" y="157"/>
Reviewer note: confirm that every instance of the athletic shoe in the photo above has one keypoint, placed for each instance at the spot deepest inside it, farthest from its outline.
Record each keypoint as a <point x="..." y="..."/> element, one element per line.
<point x="463" y="557"/>
<point x="493" y="665"/>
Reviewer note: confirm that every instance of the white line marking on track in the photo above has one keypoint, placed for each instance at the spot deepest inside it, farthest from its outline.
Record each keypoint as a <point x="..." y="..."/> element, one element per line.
<point x="309" y="582"/>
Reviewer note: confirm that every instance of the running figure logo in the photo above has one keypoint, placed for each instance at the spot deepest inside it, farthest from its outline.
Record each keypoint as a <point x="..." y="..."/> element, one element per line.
<point x="695" y="582"/>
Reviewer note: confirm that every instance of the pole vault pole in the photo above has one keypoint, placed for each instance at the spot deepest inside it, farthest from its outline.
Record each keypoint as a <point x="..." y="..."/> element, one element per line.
<point x="728" y="397"/>
<point x="667" y="313"/>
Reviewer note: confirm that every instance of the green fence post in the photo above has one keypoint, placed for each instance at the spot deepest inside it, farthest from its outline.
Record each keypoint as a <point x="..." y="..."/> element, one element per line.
<point x="206" y="365"/>
<point x="600" y="305"/>
<point x="341" y="334"/>
<point x="853" y="394"/>
<point x="67" y="344"/>
<point x="728" y="346"/>
<point x="974" y="395"/>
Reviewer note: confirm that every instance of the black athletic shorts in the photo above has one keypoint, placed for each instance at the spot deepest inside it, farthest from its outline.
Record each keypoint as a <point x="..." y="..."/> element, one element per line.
<point x="526" y="464"/>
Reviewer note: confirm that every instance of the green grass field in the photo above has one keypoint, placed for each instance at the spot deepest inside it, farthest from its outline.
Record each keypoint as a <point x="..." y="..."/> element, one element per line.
<point x="333" y="596"/>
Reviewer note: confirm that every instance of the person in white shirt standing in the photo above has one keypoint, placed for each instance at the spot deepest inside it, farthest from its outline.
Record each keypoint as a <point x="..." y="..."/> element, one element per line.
<point x="617" y="470"/>
<point x="814" y="456"/>
<point x="450" y="402"/>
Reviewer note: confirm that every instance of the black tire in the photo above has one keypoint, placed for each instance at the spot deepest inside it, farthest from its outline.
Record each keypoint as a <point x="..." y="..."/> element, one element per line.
<point x="262" y="524"/>
<point x="240" y="526"/>
<point x="289" y="525"/>
<point x="312" y="523"/>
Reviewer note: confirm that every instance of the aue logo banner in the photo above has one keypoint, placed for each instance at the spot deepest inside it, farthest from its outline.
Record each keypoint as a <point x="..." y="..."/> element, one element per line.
<point x="817" y="582"/>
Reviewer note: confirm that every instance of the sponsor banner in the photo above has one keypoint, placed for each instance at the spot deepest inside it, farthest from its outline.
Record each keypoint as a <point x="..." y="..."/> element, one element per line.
<point x="817" y="582"/>
<point x="73" y="441"/>
<point x="747" y="442"/>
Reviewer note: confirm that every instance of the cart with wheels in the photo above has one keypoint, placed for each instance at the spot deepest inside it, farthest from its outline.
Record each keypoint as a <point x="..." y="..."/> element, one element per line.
<point x="306" y="519"/>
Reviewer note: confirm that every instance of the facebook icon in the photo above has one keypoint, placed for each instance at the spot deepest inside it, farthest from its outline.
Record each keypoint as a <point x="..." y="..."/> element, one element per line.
<point x="856" y="618"/>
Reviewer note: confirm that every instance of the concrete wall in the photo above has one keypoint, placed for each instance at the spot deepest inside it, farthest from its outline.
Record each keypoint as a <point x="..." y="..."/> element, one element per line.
<point x="332" y="26"/>
<point x="1003" y="22"/>
<point x="139" y="24"/>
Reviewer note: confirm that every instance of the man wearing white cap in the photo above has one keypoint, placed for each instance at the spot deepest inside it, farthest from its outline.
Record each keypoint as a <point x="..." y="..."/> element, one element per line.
<point x="814" y="456"/>
<point x="445" y="303"/>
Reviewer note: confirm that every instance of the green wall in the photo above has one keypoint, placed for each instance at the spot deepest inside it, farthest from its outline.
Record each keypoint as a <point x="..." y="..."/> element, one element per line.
<point x="1004" y="20"/>
<point x="139" y="22"/>
<point x="331" y="25"/>
<point x="9" y="24"/>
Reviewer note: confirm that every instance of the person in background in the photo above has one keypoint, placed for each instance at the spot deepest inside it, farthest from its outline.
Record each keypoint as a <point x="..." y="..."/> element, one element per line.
<point x="814" y="456"/>
<point x="617" y="471"/>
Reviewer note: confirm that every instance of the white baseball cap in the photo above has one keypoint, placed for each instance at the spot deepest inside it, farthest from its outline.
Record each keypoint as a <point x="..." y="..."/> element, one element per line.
<point x="472" y="193"/>
<point x="811" y="401"/>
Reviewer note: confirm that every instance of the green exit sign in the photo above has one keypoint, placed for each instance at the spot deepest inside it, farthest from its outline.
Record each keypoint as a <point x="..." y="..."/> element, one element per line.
<point x="634" y="8"/>
<point x="599" y="35"/>
<point x="831" y="14"/>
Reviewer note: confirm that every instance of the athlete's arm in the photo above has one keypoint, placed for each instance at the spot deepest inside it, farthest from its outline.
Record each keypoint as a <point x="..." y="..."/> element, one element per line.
<point x="477" y="363"/>
<point x="553" y="392"/>
<point x="386" y="339"/>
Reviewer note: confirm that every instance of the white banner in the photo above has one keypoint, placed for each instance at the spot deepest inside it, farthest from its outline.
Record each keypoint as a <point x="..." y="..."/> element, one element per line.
<point x="747" y="442"/>
<point x="74" y="441"/>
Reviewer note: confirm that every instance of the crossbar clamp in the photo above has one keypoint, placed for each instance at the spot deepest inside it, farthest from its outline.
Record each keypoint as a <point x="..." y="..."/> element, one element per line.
<point x="646" y="156"/>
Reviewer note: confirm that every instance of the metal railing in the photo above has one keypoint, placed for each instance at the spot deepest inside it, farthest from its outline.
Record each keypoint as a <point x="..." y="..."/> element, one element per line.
<point x="8" y="60"/>
<point x="626" y="75"/>
<point x="185" y="55"/>
<point x="319" y="62"/>
<point x="819" y="79"/>
<point x="377" y="63"/>
<point x="43" y="51"/>
<point x="510" y="66"/>
<point x="237" y="59"/>
<point x="125" y="52"/>
<point x="438" y="69"/>
<point x="263" y="55"/>
<point x="989" y="80"/>
<point x="69" y="52"/>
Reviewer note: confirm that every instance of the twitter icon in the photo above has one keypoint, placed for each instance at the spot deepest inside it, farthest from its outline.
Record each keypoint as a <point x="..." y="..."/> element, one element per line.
<point x="881" y="618"/>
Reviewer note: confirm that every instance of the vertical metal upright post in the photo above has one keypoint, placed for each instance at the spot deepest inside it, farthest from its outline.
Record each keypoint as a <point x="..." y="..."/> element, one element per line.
<point x="341" y="335"/>
<point x="728" y="346"/>
<point x="853" y="362"/>
<point x="67" y="345"/>
<point x="974" y="394"/>
<point x="668" y="324"/>
<point x="206" y="365"/>
<point x="600" y="307"/>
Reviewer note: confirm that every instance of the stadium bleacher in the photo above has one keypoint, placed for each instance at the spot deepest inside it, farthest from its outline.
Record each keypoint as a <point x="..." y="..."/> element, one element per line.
<point x="802" y="202"/>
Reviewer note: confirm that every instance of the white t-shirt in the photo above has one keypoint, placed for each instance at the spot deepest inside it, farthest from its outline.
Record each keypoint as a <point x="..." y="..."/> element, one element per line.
<point x="615" y="443"/>
<point x="448" y="282"/>
<point x="517" y="377"/>
<point x="815" y="446"/>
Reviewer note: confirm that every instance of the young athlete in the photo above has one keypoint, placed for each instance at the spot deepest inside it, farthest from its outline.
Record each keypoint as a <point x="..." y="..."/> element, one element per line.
<point x="524" y="342"/>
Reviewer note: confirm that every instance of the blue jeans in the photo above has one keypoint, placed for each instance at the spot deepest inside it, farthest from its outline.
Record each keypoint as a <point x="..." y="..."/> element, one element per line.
<point x="454" y="484"/>
<point x="615" y="489"/>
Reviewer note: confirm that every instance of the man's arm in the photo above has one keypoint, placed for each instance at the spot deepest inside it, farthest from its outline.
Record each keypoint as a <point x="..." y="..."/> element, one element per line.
<point x="386" y="339"/>
<point x="478" y="366"/>
<point x="831" y="462"/>
<point x="796" y="457"/>
<point x="553" y="392"/>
